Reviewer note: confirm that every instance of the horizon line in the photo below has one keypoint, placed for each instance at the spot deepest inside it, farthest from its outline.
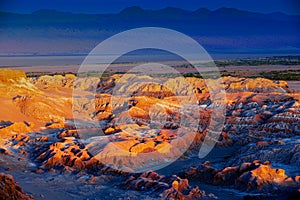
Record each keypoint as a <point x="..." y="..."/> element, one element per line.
<point x="140" y="7"/>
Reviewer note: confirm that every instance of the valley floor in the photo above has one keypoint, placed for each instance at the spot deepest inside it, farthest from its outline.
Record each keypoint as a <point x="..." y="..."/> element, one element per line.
<point x="64" y="137"/>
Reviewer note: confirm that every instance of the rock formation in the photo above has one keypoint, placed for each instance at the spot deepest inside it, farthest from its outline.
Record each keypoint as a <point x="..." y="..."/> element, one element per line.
<point x="9" y="189"/>
<point x="168" y="187"/>
<point x="255" y="176"/>
<point x="119" y="125"/>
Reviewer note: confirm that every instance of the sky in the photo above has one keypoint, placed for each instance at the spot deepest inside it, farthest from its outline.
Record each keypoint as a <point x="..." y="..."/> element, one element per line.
<point x="114" y="6"/>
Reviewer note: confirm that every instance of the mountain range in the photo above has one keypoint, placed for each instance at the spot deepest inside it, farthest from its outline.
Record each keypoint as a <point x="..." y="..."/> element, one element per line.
<point x="221" y="30"/>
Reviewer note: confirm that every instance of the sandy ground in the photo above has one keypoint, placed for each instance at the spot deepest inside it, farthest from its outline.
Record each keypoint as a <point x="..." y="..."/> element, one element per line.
<point x="10" y="112"/>
<point x="294" y="85"/>
<point x="125" y="67"/>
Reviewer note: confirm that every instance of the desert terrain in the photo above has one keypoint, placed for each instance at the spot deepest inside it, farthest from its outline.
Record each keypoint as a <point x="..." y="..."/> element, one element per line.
<point x="66" y="136"/>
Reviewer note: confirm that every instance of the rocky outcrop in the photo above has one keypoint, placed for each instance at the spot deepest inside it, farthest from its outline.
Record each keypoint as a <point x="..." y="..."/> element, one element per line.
<point x="14" y="82"/>
<point x="165" y="87"/>
<point x="255" y="176"/>
<point x="33" y="103"/>
<point x="168" y="187"/>
<point x="256" y="85"/>
<point x="9" y="189"/>
<point x="12" y="129"/>
<point x="56" y="81"/>
<point x="67" y="155"/>
<point x="7" y="75"/>
<point x="285" y="151"/>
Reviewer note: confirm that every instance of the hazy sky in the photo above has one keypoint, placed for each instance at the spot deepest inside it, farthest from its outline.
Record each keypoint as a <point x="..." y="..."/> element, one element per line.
<point x="113" y="6"/>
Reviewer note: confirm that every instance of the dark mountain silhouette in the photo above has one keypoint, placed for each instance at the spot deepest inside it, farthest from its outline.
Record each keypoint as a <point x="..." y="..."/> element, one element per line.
<point x="224" y="29"/>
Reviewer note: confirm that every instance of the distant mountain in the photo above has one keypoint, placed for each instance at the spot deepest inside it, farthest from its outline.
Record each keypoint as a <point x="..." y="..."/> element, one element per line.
<point x="223" y="30"/>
